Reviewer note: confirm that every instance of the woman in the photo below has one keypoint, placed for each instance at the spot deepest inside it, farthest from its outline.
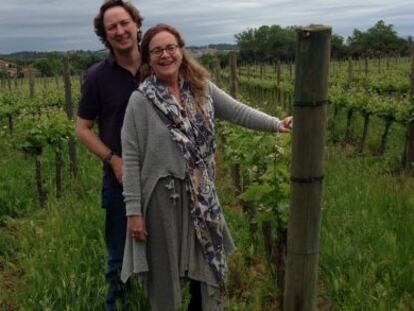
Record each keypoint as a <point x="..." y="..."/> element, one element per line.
<point x="176" y="230"/>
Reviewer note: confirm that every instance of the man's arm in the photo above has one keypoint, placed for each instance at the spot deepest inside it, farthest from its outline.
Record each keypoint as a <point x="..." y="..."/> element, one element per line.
<point x="94" y="144"/>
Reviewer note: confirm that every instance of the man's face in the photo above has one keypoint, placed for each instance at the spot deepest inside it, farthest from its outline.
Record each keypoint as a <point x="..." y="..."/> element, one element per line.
<point x="121" y="30"/>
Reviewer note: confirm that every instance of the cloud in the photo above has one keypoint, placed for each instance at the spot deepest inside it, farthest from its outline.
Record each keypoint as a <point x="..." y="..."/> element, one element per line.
<point x="67" y="24"/>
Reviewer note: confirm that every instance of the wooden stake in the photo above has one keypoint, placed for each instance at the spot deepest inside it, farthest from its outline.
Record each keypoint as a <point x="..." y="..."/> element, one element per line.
<point x="308" y="141"/>
<point x="408" y="157"/>
<point x="39" y="183"/>
<point x="217" y="78"/>
<point x="73" y="162"/>
<point x="233" y="74"/>
<point x="349" y="71"/>
<point x="31" y="83"/>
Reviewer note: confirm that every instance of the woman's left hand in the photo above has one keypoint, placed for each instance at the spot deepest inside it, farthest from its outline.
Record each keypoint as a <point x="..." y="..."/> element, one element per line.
<point x="136" y="227"/>
<point x="285" y="126"/>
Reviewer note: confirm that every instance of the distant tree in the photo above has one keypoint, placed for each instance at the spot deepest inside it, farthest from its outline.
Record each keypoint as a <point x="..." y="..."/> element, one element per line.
<point x="270" y="43"/>
<point x="50" y="63"/>
<point x="266" y="43"/>
<point x="381" y="39"/>
<point x="48" y="66"/>
<point x="246" y="42"/>
<point x="338" y="47"/>
<point x="82" y="61"/>
<point x="207" y="60"/>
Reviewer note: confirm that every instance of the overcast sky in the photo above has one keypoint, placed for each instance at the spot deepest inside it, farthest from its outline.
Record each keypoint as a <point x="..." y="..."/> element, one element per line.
<point x="49" y="25"/>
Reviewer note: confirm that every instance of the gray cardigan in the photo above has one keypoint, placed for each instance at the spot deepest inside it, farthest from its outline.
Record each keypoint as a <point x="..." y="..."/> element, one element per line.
<point x="149" y="153"/>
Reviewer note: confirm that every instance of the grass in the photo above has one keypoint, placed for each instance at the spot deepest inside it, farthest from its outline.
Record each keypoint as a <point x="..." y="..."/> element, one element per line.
<point x="53" y="259"/>
<point x="366" y="245"/>
<point x="65" y="257"/>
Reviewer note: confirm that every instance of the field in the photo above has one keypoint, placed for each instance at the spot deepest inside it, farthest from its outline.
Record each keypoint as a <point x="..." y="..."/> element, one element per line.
<point x="52" y="251"/>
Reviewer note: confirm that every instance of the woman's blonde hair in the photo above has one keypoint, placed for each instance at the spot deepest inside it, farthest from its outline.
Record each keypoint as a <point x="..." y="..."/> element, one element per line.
<point x="190" y="70"/>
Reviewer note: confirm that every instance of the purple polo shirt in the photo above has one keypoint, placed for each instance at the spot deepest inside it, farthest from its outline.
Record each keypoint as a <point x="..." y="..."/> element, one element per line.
<point x="106" y="89"/>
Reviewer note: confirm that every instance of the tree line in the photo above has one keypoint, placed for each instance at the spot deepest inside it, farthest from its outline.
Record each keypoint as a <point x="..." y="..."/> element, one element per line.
<point x="270" y="43"/>
<point x="50" y="64"/>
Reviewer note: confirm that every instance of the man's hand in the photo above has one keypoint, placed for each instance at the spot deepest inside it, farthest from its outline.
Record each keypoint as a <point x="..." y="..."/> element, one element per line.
<point x="116" y="164"/>
<point x="136" y="228"/>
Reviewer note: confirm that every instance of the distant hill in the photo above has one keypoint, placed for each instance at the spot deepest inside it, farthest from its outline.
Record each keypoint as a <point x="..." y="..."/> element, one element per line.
<point x="218" y="46"/>
<point x="25" y="58"/>
<point x="50" y="62"/>
<point x="29" y="56"/>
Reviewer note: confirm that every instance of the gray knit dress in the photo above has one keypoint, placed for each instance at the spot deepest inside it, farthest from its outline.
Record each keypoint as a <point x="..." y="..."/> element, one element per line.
<point x="154" y="186"/>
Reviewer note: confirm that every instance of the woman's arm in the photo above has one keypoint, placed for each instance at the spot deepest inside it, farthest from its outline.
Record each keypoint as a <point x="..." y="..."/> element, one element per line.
<point x="229" y="109"/>
<point x="131" y="174"/>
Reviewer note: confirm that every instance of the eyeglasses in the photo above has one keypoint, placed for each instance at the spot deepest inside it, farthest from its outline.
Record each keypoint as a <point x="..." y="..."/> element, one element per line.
<point x="170" y="49"/>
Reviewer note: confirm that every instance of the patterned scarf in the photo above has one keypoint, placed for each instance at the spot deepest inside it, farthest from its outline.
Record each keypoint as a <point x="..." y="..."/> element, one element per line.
<point x="192" y="128"/>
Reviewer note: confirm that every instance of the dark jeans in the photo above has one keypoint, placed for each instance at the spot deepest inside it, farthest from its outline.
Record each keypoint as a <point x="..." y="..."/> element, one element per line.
<point x="115" y="231"/>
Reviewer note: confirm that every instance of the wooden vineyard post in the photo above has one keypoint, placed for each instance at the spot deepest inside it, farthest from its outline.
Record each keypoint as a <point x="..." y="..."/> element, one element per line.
<point x="349" y="71"/>
<point x="39" y="183"/>
<point x="217" y="68"/>
<point x="68" y="89"/>
<point x="236" y="179"/>
<point x="233" y="74"/>
<point x="235" y="169"/>
<point x="58" y="172"/>
<point x="278" y="71"/>
<point x="349" y="132"/>
<point x="379" y="64"/>
<point x="278" y="79"/>
<point x="69" y="112"/>
<point x="31" y="83"/>
<point x="308" y="141"/>
<point x="361" y="145"/>
<point x="408" y="157"/>
<point x="248" y="72"/>
<point x="366" y="65"/>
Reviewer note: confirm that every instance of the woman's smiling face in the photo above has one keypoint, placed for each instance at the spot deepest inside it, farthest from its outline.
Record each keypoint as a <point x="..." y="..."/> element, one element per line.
<point x="165" y="56"/>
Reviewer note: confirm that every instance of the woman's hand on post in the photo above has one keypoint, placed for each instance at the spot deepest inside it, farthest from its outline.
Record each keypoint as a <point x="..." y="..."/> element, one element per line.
<point x="285" y="126"/>
<point x="136" y="228"/>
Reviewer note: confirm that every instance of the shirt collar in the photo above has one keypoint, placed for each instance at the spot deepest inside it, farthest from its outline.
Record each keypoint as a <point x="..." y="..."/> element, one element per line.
<point x="112" y="62"/>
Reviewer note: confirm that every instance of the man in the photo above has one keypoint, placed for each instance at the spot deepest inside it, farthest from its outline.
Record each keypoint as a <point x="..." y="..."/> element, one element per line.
<point x="106" y="89"/>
